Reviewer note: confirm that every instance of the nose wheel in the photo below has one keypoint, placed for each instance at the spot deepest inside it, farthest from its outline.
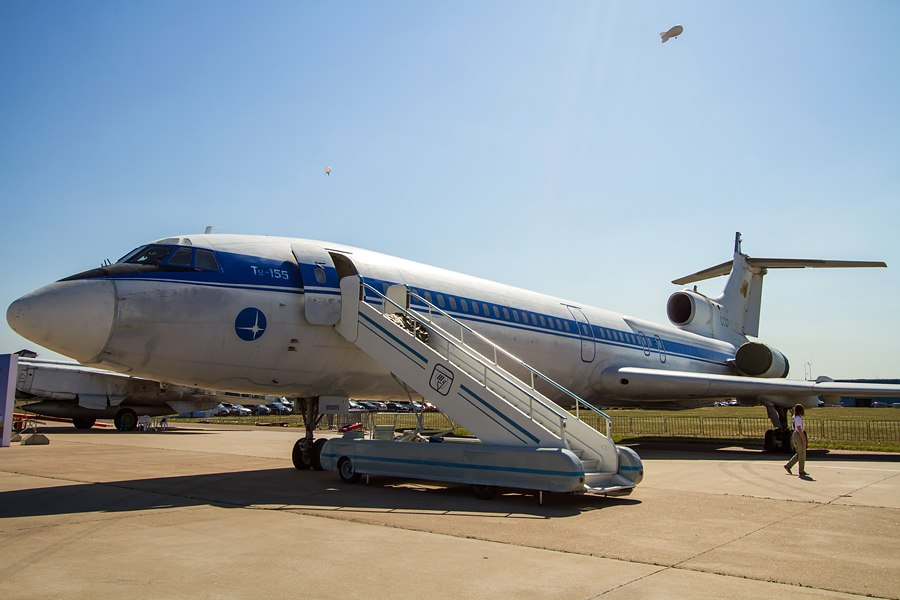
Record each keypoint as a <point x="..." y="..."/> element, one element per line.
<point x="301" y="455"/>
<point x="307" y="452"/>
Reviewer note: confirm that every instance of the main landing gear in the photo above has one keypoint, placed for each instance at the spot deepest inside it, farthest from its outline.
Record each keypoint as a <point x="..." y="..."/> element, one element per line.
<point x="779" y="439"/>
<point x="83" y="422"/>
<point x="126" y="420"/>
<point x="307" y="451"/>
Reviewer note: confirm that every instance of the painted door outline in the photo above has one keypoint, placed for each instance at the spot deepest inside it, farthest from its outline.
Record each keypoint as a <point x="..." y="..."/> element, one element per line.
<point x="588" y="342"/>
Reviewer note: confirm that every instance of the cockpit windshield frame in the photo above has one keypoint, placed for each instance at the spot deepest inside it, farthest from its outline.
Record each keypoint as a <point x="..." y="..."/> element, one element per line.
<point x="174" y="257"/>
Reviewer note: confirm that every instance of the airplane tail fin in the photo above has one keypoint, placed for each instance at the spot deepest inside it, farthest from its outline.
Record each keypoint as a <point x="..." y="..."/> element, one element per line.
<point x="739" y="303"/>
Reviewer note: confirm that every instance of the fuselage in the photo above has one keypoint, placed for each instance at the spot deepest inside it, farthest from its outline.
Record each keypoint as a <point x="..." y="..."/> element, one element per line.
<point x="255" y="314"/>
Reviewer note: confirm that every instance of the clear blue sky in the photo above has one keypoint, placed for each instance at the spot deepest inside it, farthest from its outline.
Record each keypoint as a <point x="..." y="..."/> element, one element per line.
<point x="557" y="146"/>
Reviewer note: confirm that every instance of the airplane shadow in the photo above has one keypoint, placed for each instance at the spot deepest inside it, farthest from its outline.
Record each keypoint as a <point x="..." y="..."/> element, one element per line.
<point x="286" y="489"/>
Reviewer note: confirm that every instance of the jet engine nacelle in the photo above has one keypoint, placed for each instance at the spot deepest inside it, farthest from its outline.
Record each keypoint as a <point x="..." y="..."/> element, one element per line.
<point x="758" y="360"/>
<point x="693" y="312"/>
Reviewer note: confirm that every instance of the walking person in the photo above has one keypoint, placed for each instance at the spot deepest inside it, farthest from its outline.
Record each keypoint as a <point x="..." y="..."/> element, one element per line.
<point x="799" y="440"/>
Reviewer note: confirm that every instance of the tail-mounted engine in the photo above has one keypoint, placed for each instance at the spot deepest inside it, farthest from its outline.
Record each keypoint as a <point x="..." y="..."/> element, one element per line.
<point x="694" y="312"/>
<point x="758" y="360"/>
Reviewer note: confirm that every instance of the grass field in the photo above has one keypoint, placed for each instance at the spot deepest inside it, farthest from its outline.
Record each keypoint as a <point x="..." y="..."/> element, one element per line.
<point x="826" y="412"/>
<point x="838" y="428"/>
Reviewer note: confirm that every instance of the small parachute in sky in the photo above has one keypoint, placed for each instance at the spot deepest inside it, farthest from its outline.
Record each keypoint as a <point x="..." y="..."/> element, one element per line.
<point x="674" y="32"/>
<point x="328" y="170"/>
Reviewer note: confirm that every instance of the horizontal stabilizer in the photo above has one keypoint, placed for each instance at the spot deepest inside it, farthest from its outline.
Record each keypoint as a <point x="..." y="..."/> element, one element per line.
<point x="776" y="263"/>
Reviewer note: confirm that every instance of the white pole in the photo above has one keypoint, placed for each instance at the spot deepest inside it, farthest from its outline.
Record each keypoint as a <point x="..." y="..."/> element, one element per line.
<point x="8" y="371"/>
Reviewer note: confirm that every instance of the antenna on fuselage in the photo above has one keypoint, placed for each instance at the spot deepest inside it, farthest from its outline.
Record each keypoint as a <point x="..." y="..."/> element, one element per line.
<point x="209" y="229"/>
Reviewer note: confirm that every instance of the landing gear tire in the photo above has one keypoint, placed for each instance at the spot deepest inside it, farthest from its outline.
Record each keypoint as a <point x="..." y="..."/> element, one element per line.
<point x="778" y="441"/>
<point x="484" y="492"/>
<point x="787" y="442"/>
<point x="83" y="422"/>
<point x="300" y="456"/>
<point x="769" y="442"/>
<point x="126" y="420"/>
<point x="317" y="454"/>
<point x="347" y="471"/>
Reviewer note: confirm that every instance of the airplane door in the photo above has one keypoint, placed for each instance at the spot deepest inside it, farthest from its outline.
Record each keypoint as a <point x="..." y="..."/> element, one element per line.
<point x="588" y="343"/>
<point x="321" y="284"/>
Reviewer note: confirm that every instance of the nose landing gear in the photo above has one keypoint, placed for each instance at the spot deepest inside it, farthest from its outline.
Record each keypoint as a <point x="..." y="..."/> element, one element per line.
<point x="307" y="451"/>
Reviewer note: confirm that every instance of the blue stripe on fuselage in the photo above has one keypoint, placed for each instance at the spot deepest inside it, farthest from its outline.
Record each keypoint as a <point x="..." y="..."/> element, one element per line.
<point x="245" y="272"/>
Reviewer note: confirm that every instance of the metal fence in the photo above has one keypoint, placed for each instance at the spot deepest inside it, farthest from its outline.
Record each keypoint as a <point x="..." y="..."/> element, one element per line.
<point x="753" y="427"/>
<point x="430" y="420"/>
<point x="674" y="426"/>
<point x="709" y="427"/>
<point x="874" y="431"/>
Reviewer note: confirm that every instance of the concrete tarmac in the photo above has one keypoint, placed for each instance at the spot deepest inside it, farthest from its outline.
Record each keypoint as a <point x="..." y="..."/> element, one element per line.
<point x="219" y="512"/>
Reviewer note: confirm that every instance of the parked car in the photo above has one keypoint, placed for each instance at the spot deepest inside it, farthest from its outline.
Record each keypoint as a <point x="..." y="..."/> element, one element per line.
<point x="397" y="406"/>
<point x="258" y="409"/>
<point x="429" y="407"/>
<point x="279" y="408"/>
<point x="237" y="410"/>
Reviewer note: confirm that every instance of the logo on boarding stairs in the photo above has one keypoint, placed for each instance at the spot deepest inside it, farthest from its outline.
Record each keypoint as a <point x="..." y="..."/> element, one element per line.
<point x="441" y="380"/>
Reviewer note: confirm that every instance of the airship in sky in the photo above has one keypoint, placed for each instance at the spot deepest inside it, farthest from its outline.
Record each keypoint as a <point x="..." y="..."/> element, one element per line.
<point x="674" y="32"/>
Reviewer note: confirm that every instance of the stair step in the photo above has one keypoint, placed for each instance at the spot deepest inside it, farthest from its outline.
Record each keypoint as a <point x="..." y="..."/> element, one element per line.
<point x="590" y="464"/>
<point x="598" y="478"/>
<point x="612" y="490"/>
<point x="607" y="484"/>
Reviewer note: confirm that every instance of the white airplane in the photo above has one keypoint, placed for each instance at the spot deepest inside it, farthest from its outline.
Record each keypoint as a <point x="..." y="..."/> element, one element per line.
<point x="84" y="394"/>
<point x="257" y="314"/>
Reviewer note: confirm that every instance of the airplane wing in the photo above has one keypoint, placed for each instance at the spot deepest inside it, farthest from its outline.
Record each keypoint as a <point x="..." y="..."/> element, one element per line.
<point x="68" y="390"/>
<point x="643" y="384"/>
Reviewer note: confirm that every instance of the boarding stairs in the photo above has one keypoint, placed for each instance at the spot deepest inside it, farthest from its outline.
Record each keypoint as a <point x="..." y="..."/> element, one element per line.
<point x="493" y="404"/>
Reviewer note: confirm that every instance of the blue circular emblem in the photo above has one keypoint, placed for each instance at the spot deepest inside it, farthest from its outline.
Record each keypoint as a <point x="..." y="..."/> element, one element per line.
<point x="250" y="324"/>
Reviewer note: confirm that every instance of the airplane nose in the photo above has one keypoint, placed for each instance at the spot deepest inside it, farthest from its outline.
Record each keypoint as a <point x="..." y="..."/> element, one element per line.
<point x="74" y="318"/>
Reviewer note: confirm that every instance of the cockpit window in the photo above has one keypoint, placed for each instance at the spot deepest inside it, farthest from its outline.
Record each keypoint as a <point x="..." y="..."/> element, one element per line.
<point x="155" y="258"/>
<point x="206" y="260"/>
<point x="181" y="258"/>
<point x="173" y="257"/>
<point x="151" y="255"/>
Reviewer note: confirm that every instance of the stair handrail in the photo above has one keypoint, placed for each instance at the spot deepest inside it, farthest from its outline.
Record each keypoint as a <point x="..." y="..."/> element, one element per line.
<point x="497" y="348"/>
<point x="534" y="372"/>
<point x="579" y="401"/>
<point x="495" y="368"/>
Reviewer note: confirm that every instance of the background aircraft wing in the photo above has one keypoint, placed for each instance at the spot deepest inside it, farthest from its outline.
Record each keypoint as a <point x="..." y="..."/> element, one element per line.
<point x="638" y="383"/>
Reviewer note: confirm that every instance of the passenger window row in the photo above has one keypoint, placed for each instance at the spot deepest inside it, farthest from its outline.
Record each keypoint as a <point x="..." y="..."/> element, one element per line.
<point x="478" y="308"/>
